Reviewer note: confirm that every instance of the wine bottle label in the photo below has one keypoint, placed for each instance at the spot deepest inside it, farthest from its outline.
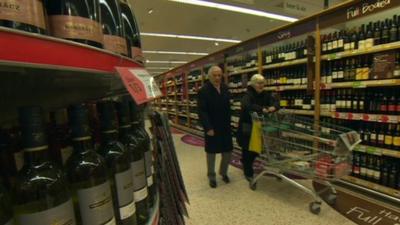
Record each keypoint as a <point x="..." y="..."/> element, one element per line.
<point x="370" y="173"/>
<point x="19" y="160"/>
<point x="304" y="80"/>
<point x="361" y="44"/>
<point x="305" y="51"/>
<point x="335" y="75"/>
<point x="124" y="186"/>
<point x="396" y="72"/>
<point x="377" y="174"/>
<point x="373" y="137"/>
<point x="128" y="210"/>
<point x="283" y="103"/>
<point x="361" y="105"/>
<point x="363" y="171"/>
<point x="340" y="43"/>
<point x="333" y="108"/>
<point x="396" y="141"/>
<point x="139" y="175"/>
<point x="28" y="12"/>
<point x="62" y="214"/>
<point x="381" y="138"/>
<point x="347" y="46"/>
<point x="335" y="45"/>
<point x="66" y="153"/>
<point x="137" y="54"/>
<point x="96" y="205"/>
<point x="348" y="104"/>
<point x="359" y="74"/>
<point x="330" y="46"/>
<point x="76" y="27"/>
<point x="329" y="79"/>
<point x="352" y="45"/>
<point x="369" y="43"/>
<point x="324" y="47"/>
<point x="141" y="194"/>
<point x="365" y="75"/>
<point x="340" y="74"/>
<point x="115" y="44"/>
<point x="355" y="105"/>
<point x="150" y="181"/>
<point x="388" y="140"/>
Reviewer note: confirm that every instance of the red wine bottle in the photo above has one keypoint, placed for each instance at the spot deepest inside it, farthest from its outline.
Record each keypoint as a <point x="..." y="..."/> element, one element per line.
<point x="23" y="15"/>
<point x="114" y="39"/>
<point x="76" y="20"/>
<point x="132" y="33"/>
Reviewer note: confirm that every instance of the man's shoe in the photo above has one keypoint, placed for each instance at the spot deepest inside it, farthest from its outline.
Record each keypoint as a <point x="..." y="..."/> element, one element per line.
<point x="226" y="179"/>
<point x="213" y="183"/>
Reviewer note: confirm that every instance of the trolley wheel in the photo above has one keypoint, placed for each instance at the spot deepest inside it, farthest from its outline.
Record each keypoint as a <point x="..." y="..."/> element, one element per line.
<point x="331" y="199"/>
<point x="315" y="207"/>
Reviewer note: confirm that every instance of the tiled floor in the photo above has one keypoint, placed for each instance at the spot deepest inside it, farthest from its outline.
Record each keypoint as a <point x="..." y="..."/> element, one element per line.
<point x="274" y="203"/>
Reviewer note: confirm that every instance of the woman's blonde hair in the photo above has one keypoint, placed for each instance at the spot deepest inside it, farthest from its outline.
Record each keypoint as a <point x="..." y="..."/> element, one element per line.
<point x="256" y="78"/>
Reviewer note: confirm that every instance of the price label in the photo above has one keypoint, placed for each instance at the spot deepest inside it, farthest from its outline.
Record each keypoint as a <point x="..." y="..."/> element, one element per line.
<point x="332" y="56"/>
<point x="357" y="116"/>
<point x="391" y="153"/>
<point x="359" y="84"/>
<point x="139" y="83"/>
<point x="372" y="150"/>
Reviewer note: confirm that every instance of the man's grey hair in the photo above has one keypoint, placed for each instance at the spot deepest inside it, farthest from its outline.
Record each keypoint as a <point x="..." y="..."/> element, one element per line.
<point x="256" y="78"/>
<point x="211" y="70"/>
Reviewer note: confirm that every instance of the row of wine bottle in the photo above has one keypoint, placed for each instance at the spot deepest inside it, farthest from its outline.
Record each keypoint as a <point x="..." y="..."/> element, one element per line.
<point x="108" y="24"/>
<point x="109" y="185"/>
<point x="378" y="169"/>
<point x="363" y="37"/>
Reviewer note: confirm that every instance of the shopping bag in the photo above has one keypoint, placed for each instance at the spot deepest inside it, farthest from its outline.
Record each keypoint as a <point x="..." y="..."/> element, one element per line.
<point x="255" y="144"/>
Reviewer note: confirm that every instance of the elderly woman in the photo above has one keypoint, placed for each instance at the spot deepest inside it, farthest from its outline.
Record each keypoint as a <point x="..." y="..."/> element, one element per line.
<point x="215" y="115"/>
<point x="256" y="99"/>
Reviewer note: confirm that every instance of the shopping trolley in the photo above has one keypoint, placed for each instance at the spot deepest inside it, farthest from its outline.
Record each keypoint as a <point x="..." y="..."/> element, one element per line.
<point x="295" y="145"/>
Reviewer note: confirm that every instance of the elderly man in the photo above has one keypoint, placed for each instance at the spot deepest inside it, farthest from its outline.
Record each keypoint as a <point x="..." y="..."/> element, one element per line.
<point x="215" y="115"/>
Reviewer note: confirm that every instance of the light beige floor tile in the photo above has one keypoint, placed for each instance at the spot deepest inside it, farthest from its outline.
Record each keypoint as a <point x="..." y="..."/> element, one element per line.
<point x="274" y="202"/>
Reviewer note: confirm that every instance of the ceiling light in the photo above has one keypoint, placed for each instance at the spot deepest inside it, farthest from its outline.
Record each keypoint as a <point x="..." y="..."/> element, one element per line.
<point x="190" y="37"/>
<point x="150" y="11"/>
<point x="216" y="44"/>
<point x="175" y="53"/>
<point x="171" y="62"/>
<point x="237" y="9"/>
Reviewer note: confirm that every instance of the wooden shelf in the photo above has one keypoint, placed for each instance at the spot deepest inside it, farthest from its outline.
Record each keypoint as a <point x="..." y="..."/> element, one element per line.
<point x="285" y="64"/>
<point x="243" y="71"/>
<point x="193" y="81"/>
<point x="374" y="49"/>
<point x="361" y="84"/>
<point x="377" y="187"/>
<point x="182" y="114"/>
<point x="286" y="88"/>
<point x="378" y="151"/>
<point x="192" y="93"/>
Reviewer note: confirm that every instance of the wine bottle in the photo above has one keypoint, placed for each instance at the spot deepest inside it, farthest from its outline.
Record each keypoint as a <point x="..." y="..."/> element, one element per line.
<point x="396" y="138"/>
<point x="138" y="114"/>
<point x="385" y="32"/>
<point x="377" y="33"/>
<point x="24" y="15"/>
<point x="356" y="164"/>
<point x="59" y="137"/>
<point x="361" y="38"/>
<point x="118" y="161"/>
<point x="76" y="20"/>
<point x="6" y="217"/>
<point x="41" y="191"/>
<point x="132" y="33"/>
<point x="369" y="37"/>
<point x="132" y="142"/>
<point x="393" y="30"/>
<point x="389" y="136"/>
<point x="377" y="169"/>
<point x="87" y="173"/>
<point x="114" y="39"/>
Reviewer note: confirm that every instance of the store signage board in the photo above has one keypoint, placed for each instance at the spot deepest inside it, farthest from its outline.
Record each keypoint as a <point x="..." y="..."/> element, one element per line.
<point x="356" y="11"/>
<point x="139" y="83"/>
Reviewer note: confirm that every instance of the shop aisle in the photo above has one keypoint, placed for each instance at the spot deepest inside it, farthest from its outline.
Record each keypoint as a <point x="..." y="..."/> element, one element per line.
<point x="274" y="203"/>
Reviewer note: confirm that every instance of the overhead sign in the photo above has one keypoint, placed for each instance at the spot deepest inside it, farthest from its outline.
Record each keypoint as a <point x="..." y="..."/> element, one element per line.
<point x="139" y="83"/>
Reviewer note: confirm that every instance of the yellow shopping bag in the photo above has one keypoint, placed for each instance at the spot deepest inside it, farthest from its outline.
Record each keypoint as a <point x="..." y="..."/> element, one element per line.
<point x="255" y="144"/>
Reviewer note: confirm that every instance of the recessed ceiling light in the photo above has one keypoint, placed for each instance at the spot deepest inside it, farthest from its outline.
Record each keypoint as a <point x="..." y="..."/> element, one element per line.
<point x="216" y="44"/>
<point x="172" y="62"/>
<point x="237" y="9"/>
<point x="150" y="11"/>
<point x="190" y="37"/>
<point x="175" y="53"/>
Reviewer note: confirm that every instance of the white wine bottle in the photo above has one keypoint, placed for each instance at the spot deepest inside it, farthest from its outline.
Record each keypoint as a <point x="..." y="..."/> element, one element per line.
<point x="133" y="144"/>
<point x="118" y="161"/>
<point x="41" y="193"/>
<point x="87" y="174"/>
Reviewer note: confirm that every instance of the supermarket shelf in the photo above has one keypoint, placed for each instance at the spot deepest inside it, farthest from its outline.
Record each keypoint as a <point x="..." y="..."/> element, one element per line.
<point x="192" y="93"/>
<point x="378" y="151"/>
<point x="377" y="187"/>
<point x="374" y="49"/>
<point x="193" y="81"/>
<point x="182" y="115"/>
<point x="362" y="84"/>
<point x="243" y="71"/>
<point x="286" y="88"/>
<point x="284" y="64"/>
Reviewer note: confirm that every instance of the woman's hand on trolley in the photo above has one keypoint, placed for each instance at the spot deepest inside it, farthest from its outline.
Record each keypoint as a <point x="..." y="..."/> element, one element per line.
<point x="269" y="109"/>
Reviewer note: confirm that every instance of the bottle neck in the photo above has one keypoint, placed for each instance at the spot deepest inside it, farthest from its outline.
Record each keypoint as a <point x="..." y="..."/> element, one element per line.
<point x="36" y="156"/>
<point x="109" y="136"/>
<point x="82" y="144"/>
